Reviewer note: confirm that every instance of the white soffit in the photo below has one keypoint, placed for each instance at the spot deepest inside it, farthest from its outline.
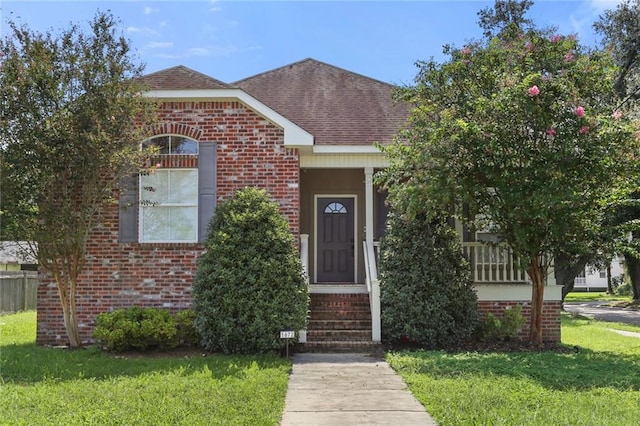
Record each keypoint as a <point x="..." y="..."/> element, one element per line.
<point x="294" y="135"/>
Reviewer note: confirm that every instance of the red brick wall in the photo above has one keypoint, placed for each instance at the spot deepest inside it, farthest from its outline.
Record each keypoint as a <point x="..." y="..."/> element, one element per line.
<point x="250" y="153"/>
<point x="550" y="316"/>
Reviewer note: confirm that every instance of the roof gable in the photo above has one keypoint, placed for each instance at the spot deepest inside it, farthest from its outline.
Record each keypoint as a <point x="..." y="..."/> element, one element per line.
<point x="335" y="105"/>
<point x="181" y="78"/>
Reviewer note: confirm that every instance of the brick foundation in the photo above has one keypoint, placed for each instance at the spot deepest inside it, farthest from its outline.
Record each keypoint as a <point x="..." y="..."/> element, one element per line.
<point x="250" y="153"/>
<point x="550" y="316"/>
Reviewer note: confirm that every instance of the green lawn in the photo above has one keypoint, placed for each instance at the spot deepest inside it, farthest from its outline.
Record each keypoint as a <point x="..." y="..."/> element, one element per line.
<point x="582" y="296"/>
<point x="599" y="385"/>
<point x="40" y="386"/>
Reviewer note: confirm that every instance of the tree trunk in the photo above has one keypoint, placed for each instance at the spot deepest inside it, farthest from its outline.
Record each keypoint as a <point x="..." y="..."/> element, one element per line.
<point x="566" y="269"/>
<point x="633" y="269"/>
<point x="67" y="293"/>
<point x="609" y="283"/>
<point x="537" y="274"/>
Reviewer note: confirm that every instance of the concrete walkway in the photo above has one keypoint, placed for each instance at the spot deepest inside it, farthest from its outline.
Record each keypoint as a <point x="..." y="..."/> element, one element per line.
<point x="349" y="389"/>
<point x="600" y="311"/>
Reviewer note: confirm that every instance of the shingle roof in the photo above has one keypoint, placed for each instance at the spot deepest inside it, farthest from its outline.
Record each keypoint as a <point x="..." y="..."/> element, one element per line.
<point x="335" y="105"/>
<point x="181" y="78"/>
<point x="13" y="252"/>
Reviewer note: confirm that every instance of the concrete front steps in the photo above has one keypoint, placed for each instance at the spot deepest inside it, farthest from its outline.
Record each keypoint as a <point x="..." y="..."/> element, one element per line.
<point x="339" y="323"/>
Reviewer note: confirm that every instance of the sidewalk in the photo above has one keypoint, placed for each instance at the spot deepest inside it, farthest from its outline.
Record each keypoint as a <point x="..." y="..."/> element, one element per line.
<point x="349" y="389"/>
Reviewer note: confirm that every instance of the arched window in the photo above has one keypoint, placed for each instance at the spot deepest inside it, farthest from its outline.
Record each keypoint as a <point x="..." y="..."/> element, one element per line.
<point x="169" y="196"/>
<point x="335" y="208"/>
<point x="173" y="145"/>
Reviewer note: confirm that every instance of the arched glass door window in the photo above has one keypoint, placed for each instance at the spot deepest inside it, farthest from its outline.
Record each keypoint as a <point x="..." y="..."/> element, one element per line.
<point x="335" y="208"/>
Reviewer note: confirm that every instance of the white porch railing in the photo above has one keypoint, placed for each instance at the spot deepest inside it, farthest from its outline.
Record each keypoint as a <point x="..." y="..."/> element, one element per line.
<point x="373" y="287"/>
<point x="493" y="264"/>
<point x="304" y="255"/>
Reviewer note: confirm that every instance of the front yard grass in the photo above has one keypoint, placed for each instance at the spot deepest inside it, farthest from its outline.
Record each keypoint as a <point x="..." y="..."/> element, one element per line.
<point x="47" y="386"/>
<point x="597" y="384"/>
<point x="592" y="296"/>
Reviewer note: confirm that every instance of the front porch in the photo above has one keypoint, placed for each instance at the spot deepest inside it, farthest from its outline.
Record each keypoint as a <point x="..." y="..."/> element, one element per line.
<point x="342" y="218"/>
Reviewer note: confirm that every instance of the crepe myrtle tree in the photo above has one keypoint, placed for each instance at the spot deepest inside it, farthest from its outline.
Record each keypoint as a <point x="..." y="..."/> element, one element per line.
<point x="521" y="131"/>
<point x="71" y="120"/>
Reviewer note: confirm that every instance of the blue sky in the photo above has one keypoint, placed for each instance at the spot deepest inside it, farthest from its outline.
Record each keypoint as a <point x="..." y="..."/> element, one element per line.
<point x="231" y="40"/>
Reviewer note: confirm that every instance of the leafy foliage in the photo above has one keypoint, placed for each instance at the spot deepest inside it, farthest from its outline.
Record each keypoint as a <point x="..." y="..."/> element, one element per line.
<point x="249" y="283"/>
<point x="136" y="328"/>
<point x="507" y="327"/>
<point x="620" y="29"/>
<point x="70" y="115"/>
<point x="426" y="293"/>
<point x="186" y="334"/>
<point x="519" y="130"/>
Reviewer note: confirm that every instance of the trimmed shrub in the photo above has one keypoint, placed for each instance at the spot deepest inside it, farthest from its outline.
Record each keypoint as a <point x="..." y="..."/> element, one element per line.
<point x="249" y="283"/>
<point x="136" y="328"/>
<point x="492" y="328"/>
<point x="186" y="331"/>
<point x="427" y="295"/>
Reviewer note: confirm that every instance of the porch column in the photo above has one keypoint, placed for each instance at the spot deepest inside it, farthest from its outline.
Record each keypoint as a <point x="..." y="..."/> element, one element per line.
<point x="368" y="200"/>
<point x="374" y="293"/>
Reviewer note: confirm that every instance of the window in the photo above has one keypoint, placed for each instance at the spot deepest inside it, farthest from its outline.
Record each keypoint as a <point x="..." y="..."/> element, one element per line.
<point x="173" y="145"/>
<point x="169" y="206"/>
<point x="603" y="273"/>
<point x="169" y="197"/>
<point x="173" y="204"/>
<point x="335" y="208"/>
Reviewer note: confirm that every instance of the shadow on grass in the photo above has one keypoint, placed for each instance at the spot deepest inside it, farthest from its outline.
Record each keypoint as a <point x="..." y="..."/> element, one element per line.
<point x="29" y="363"/>
<point x="583" y="370"/>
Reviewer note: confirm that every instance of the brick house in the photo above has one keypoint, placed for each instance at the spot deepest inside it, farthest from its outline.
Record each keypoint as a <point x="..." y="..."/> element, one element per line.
<point x="305" y="132"/>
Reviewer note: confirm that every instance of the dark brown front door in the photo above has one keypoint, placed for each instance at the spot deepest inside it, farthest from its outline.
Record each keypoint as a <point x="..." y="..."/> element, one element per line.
<point x="335" y="240"/>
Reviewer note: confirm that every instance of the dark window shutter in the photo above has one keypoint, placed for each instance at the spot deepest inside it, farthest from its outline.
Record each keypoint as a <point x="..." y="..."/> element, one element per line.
<point x="207" y="157"/>
<point x="128" y="223"/>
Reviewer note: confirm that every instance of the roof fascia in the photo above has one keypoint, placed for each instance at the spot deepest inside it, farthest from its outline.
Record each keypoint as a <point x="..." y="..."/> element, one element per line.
<point x="294" y="135"/>
<point x="346" y="149"/>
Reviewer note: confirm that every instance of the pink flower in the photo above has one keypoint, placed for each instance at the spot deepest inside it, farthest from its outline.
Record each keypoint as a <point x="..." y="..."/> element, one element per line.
<point x="568" y="57"/>
<point x="529" y="46"/>
<point x="534" y="91"/>
<point x="616" y="115"/>
<point x="551" y="131"/>
<point x="158" y="164"/>
<point x="466" y="50"/>
<point x="584" y="130"/>
<point x="555" y="38"/>
<point x="579" y="111"/>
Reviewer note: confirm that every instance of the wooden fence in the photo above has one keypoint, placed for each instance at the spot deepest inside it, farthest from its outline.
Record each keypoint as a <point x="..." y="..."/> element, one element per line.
<point x="18" y="291"/>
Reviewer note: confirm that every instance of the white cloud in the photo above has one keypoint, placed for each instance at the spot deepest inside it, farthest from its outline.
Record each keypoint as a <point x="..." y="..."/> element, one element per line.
<point x="214" y="6"/>
<point x="160" y="45"/>
<point x="142" y="30"/>
<point x="149" y="10"/>
<point x="197" y="51"/>
<point x="203" y="51"/>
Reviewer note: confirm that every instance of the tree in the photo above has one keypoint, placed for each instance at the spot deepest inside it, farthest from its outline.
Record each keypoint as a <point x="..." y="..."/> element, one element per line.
<point x="426" y="292"/>
<point x="71" y="119"/>
<point x="620" y="29"/>
<point x="519" y="131"/>
<point x="504" y="14"/>
<point x="249" y="284"/>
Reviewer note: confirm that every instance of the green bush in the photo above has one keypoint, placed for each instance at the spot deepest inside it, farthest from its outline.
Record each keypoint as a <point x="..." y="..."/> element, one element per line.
<point x="249" y="283"/>
<point x="186" y="330"/>
<point x="492" y="328"/>
<point x="427" y="296"/>
<point x="136" y="328"/>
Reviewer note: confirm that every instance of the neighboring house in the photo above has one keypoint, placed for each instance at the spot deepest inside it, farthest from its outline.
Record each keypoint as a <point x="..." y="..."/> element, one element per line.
<point x="14" y="257"/>
<point x="595" y="279"/>
<point x="304" y="132"/>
